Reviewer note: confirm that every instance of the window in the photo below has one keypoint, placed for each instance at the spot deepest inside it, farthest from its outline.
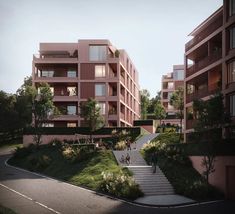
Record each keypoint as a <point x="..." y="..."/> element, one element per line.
<point x="169" y="95"/>
<point x="102" y="108"/>
<point x="232" y="105"/>
<point x="48" y="125"/>
<point x="232" y="37"/>
<point x="97" y="53"/>
<point x="71" y="91"/>
<point x="52" y="90"/>
<point x="71" y="110"/>
<point x="99" y="89"/>
<point x="231" y="7"/>
<point x="47" y="73"/>
<point x="170" y="85"/>
<point x="71" y="124"/>
<point x="71" y="74"/>
<point x="178" y="75"/>
<point x="231" y="72"/>
<point x="100" y="71"/>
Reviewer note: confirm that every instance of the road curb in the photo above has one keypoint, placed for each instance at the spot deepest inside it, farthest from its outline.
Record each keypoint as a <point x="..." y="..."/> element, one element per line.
<point x="181" y="205"/>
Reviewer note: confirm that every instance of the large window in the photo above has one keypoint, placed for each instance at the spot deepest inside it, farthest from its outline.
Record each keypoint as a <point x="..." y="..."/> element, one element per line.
<point x="47" y="73"/>
<point x="71" y="124"/>
<point x="231" y="7"/>
<point x="231" y="72"/>
<point x="100" y="71"/>
<point x="71" y="110"/>
<point x="232" y="105"/>
<point x="170" y="85"/>
<point x="99" y="89"/>
<point x="178" y="75"/>
<point x="232" y="37"/>
<point x="102" y="108"/>
<point x="97" y="53"/>
<point x="71" y="74"/>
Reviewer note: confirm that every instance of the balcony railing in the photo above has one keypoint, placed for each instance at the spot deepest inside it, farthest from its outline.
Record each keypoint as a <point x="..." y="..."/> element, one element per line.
<point x="209" y="30"/>
<point x="56" y="58"/>
<point x="203" y="63"/>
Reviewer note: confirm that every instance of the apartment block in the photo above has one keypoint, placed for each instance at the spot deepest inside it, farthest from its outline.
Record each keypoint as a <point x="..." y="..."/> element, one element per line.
<point x="170" y="83"/>
<point x="210" y="68"/>
<point x="210" y="61"/>
<point x="88" y="68"/>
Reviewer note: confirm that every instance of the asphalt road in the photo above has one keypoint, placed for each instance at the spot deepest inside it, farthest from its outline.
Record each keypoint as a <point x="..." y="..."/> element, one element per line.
<point x="25" y="192"/>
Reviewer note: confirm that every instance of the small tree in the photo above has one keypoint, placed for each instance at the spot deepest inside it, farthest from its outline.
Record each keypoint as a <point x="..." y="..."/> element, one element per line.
<point x="159" y="111"/>
<point x="210" y="116"/>
<point x="42" y="107"/>
<point x="177" y="101"/>
<point x="144" y="102"/>
<point x="90" y="111"/>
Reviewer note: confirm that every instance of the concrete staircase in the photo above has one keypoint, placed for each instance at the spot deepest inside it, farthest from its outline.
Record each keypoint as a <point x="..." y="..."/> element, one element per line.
<point x="150" y="183"/>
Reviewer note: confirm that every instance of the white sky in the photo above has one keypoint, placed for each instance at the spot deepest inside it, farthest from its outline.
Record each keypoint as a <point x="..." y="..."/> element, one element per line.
<point x="153" y="32"/>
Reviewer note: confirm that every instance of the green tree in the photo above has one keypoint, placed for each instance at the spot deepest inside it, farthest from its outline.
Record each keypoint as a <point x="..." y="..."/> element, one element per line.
<point x="210" y="116"/>
<point x="43" y="107"/>
<point x="144" y="102"/>
<point x="90" y="111"/>
<point x="152" y="102"/>
<point x="177" y="101"/>
<point x="159" y="111"/>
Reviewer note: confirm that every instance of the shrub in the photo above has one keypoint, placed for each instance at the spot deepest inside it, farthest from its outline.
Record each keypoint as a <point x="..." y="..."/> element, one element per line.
<point x="21" y="152"/>
<point x="38" y="162"/>
<point x="120" y="185"/>
<point x="121" y="145"/>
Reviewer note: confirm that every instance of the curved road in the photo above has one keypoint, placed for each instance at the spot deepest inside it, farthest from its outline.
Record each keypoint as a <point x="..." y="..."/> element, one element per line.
<point x="25" y="192"/>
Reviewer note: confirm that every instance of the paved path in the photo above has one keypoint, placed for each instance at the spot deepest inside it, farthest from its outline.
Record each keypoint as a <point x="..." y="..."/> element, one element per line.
<point x="25" y="193"/>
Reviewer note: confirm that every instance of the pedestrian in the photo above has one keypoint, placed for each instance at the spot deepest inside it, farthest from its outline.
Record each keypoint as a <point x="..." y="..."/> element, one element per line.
<point x="122" y="160"/>
<point x="134" y="145"/>
<point x="154" y="161"/>
<point x="128" y="159"/>
<point x="128" y="144"/>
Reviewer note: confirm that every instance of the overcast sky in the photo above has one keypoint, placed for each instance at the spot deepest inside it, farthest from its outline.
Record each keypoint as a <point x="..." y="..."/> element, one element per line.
<point x="153" y="32"/>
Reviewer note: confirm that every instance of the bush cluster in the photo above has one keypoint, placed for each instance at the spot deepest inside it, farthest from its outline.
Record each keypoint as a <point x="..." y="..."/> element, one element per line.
<point x="121" y="145"/>
<point x="120" y="185"/>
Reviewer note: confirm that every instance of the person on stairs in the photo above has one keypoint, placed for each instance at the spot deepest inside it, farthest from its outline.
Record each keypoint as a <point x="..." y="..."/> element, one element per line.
<point x="154" y="161"/>
<point x="128" y="159"/>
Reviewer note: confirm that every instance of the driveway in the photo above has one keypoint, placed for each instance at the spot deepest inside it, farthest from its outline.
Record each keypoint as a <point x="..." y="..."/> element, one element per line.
<point x="26" y="192"/>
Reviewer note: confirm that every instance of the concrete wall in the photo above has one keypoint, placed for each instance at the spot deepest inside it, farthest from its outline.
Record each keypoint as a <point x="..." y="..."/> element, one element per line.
<point x="222" y="178"/>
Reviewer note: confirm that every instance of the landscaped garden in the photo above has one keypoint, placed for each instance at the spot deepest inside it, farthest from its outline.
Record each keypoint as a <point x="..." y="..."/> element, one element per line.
<point x="178" y="168"/>
<point x="80" y="165"/>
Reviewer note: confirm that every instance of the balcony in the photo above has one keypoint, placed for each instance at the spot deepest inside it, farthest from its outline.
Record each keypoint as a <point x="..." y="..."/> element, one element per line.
<point x="37" y="58"/>
<point x="66" y="117"/>
<point x="59" y="98"/>
<point x="56" y="79"/>
<point x="203" y="63"/>
<point x="205" y="33"/>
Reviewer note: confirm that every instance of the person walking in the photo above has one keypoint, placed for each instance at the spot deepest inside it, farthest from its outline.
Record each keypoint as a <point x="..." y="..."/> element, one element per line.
<point x="128" y="159"/>
<point x="154" y="161"/>
<point x="128" y="144"/>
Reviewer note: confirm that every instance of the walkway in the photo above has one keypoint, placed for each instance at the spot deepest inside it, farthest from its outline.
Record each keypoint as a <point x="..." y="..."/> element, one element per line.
<point x="155" y="186"/>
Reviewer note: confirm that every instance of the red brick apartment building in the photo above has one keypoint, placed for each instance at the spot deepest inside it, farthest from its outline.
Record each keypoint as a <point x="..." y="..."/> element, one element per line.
<point x="210" y="66"/>
<point x="170" y="83"/>
<point x="88" y="68"/>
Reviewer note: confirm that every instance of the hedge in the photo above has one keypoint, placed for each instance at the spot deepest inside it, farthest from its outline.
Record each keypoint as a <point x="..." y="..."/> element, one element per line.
<point x="134" y="131"/>
<point x="223" y="148"/>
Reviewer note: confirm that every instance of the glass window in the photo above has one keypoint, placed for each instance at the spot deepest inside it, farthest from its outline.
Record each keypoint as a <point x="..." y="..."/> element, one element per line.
<point x="100" y="71"/>
<point x="232" y="37"/>
<point x="99" y="89"/>
<point x="102" y="108"/>
<point x="170" y="85"/>
<point x="47" y="73"/>
<point x="232" y="105"/>
<point x="71" y="110"/>
<point x="71" y="74"/>
<point x="231" y="7"/>
<point x="71" y="91"/>
<point x="48" y="125"/>
<point x="97" y="53"/>
<point x="178" y="75"/>
<point x="52" y="90"/>
<point x="231" y="72"/>
<point x="71" y="124"/>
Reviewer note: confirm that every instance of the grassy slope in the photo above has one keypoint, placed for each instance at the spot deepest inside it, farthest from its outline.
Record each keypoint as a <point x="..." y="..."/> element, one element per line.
<point x="87" y="173"/>
<point x="5" y="210"/>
